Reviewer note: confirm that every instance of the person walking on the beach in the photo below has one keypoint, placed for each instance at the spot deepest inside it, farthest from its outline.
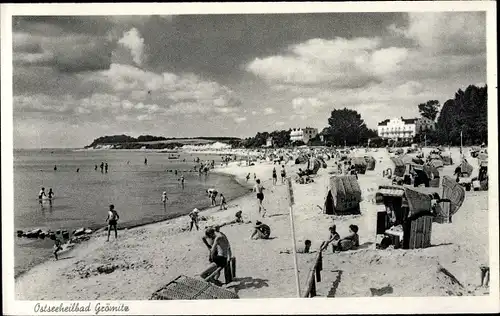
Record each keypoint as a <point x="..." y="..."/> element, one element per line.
<point x="145" y="161"/>
<point x="248" y="176"/>
<point x="223" y="205"/>
<point x="220" y="254"/>
<point x="275" y="176"/>
<point x="254" y="177"/>
<point x="260" y="196"/>
<point x="112" y="220"/>
<point x="95" y="167"/>
<point x="102" y="167"/>
<point x="55" y="167"/>
<point x="194" y="219"/>
<point x="106" y="168"/>
<point x="283" y="174"/>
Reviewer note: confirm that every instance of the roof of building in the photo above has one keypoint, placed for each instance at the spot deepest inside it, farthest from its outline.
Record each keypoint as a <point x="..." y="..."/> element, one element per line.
<point x="405" y="121"/>
<point x="384" y="122"/>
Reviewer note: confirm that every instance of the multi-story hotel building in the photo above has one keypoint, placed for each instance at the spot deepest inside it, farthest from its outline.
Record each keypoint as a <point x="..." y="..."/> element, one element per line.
<point x="303" y="134"/>
<point x="403" y="129"/>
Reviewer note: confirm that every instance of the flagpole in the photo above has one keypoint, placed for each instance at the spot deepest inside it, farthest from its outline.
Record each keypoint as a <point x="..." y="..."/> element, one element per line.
<point x="461" y="142"/>
<point x="291" y="200"/>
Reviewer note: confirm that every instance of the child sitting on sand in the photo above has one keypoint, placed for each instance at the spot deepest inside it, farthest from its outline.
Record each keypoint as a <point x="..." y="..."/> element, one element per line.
<point x="261" y="231"/>
<point x="333" y="238"/>
<point x="349" y="242"/>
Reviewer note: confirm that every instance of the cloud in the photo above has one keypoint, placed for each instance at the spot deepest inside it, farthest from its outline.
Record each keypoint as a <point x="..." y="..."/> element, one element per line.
<point x="133" y="41"/>
<point x="338" y="63"/>
<point x="240" y="119"/>
<point x="306" y="107"/>
<point x="133" y="94"/>
<point x="269" y="111"/>
<point x="280" y="123"/>
<point x="70" y="54"/>
<point x="456" y="33"/>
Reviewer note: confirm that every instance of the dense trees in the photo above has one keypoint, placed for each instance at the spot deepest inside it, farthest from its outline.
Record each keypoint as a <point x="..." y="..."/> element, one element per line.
<point x="467" y="113"/>
<point x="347" y="127"/>
<point x="280" y="139"/>
<point x="429" y="109"/>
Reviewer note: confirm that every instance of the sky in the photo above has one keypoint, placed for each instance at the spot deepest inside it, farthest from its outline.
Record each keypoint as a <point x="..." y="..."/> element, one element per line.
<point x="76" y="78"/>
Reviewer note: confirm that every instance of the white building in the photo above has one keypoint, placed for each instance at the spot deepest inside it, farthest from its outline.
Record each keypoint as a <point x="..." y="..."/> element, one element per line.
<point x="269" y="142"/>
<point x="303" y="134"/>
<point x="404" y="129"/>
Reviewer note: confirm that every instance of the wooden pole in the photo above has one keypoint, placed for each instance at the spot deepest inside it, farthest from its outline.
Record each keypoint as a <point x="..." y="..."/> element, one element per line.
<point x="461" y="142"/>
<point x="291" y="200"/>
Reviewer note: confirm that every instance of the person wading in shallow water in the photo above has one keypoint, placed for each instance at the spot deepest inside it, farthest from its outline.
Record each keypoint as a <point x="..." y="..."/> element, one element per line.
<point x="112" y="220"/>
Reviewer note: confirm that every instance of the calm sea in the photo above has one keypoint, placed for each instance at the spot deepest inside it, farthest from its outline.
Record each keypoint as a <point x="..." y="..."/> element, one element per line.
<point x="82" y="198"/>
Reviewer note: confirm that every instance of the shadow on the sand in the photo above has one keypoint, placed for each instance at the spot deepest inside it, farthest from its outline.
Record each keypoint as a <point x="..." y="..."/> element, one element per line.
<point x="441" y="244"/>
<point x="65" y="258"/>
<point x="247" y="283"/>
<point x="335" y="284"/>
<point x="365" y="245"/>
<point x="382" y="291"/>
<point x="277" y="215"/>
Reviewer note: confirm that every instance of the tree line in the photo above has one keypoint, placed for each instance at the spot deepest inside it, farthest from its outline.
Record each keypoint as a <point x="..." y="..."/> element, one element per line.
<point x="467" y="112"/>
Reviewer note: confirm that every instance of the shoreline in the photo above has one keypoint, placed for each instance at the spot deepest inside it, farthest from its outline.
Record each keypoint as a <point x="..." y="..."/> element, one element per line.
<point x="159" y="252"/>
<point x="131" y="225"/>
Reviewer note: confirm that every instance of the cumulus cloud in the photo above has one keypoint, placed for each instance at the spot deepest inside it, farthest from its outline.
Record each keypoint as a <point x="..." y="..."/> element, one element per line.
<point x="135" y="94"/>
<point x="459" y="33"/>
<point x="240" y="119"/>
<point x="339" y="62"/>
<point x="305" y="107"/>
<point x="269" y="111"/>
<point x="133" y="41"/>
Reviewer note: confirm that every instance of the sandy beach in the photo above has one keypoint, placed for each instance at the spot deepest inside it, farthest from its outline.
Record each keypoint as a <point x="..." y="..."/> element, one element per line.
<point x="146" y="258"/>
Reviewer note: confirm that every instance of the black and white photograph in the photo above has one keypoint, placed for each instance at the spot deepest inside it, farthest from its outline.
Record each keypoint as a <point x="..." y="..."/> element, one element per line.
<point x="201" y="155"/>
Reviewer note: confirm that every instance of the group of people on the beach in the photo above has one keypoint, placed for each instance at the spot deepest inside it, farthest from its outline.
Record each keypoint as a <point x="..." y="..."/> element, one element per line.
<point x="212" y="195"/>
<point x="103" y="166"/>
<point x="49" y="196"/>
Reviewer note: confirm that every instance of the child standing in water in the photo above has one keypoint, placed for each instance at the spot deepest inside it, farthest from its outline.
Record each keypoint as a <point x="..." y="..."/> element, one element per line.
<point x="50" y="195"/>
<point x="164" y="197"/>
<point x="223" y="205"/>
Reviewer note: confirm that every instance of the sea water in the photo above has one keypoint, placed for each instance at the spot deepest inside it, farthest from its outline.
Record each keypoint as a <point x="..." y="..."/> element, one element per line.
<point x="82" y="198"/>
